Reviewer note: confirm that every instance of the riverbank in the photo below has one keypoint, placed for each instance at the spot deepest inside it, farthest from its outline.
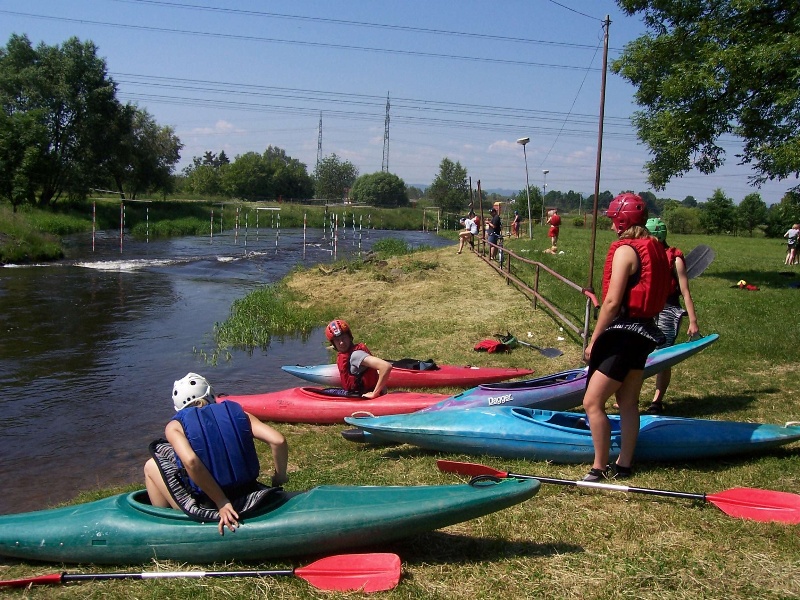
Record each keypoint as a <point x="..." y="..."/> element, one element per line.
<point x="564" y="543"/>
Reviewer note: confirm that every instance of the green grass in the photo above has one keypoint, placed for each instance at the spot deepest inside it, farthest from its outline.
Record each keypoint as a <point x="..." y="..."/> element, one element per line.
<point x="564" y="543"/>
<point x="27" y="236"/>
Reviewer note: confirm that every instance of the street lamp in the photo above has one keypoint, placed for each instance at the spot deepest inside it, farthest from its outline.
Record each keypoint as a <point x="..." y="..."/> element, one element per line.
<point x="523" y="141"/>
<point x="545" y="171"/>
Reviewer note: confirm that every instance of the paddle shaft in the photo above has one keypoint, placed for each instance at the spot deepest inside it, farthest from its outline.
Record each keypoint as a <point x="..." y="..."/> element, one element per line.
<point x="58" y="578"/>
<point x="612" y="487"/>
<point x="474" y="469"/>
<point x="744" y="503"/>
<point x="349" y="572"/>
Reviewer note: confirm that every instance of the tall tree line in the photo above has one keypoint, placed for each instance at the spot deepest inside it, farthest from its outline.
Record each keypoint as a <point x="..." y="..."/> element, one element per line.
<point x="63" y="131"/>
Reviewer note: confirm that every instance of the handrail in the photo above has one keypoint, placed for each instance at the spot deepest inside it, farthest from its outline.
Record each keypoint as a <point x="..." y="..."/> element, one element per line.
<point x="506" y="256"/>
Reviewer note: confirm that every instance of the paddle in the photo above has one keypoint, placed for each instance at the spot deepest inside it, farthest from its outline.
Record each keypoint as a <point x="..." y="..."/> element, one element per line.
<point x="343" y="573"/>
<point x="511" y="341"/>
<point x="744" y="503"/>
<point x="698" y="260"/>
<point x="548" y="352"/>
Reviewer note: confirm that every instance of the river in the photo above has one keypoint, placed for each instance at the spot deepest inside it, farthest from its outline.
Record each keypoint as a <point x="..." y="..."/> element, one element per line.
<point x="92" y="344"/>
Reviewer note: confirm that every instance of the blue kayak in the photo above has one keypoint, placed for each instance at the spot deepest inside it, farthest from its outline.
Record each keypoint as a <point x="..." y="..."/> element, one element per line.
<point x="564" y="437"/>
<point x="564" y="390"/>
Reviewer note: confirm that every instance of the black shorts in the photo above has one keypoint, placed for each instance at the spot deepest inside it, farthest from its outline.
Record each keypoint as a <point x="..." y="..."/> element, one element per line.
<point x="617" y="352"/>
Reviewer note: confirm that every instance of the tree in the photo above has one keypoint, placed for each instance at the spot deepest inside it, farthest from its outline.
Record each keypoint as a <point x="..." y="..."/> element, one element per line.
<point x="710" y="69"/>
<point x="682" y="220"/>
<point x="380" y="189"/>
<point x="689" y="202"/>
<point x="718" y="214"/>
<point x="450" y="189"/>
<point x="333" y="177"/>
<point x="783" y="215"/>
<point x="21" y="137"/>
<point x="521" y="202"/>
<point x="146" y="154"/>
<point x="414" y="193"/>
<point x="290" y="178"/>
<point x="203" y="180"/>
<point x="249" y="176"/>
<point x="752" y="211"/>
<point x="67" y="94"/>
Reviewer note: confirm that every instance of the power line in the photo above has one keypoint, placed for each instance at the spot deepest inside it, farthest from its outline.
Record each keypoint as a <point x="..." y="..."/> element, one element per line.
<point x="250" y="38"/>
<point x="344" y="22"/>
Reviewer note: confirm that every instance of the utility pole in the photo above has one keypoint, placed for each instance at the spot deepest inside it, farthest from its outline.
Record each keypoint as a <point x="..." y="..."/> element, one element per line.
<point x="385" y="163"/>
<point x="589" y="283"/>
<point x="319" y="142"/>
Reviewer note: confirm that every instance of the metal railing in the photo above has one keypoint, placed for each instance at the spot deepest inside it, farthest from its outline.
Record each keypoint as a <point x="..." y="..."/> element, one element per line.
<point x="505" y="266"/>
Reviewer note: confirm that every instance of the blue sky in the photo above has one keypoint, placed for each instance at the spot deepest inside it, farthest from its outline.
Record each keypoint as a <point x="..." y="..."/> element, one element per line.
<point x="465" y="80"/>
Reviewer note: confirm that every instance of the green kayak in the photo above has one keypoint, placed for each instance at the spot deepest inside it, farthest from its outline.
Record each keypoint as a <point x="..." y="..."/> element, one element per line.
<point x="124" y="529"/>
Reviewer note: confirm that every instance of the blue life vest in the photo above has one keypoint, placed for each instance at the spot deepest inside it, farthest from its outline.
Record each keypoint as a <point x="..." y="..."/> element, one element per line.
<point x="221" y="436"/>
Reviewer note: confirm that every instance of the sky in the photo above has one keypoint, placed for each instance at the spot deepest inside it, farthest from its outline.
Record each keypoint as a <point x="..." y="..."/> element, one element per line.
<point x="464" y="80"/>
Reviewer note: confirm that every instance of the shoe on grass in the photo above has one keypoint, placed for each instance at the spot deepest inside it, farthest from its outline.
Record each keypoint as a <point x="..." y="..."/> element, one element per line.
<point x="619" y="472"/>
<point x="596" y="475"/>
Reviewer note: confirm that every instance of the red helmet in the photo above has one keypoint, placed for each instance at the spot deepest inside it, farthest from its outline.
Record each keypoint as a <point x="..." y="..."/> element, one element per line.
<point x="627" y="210"/>
<point x="336" y="328"/>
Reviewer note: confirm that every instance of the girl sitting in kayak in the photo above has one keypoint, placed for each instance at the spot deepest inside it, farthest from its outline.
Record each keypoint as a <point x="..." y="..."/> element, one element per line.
<point x="636" y="282"/>
<point x="208" y="466"/>
<point x="359" y="371"/>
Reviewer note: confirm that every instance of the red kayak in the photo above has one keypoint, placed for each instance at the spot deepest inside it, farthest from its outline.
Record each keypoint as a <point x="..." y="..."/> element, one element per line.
<point x="436" y="376"/>
<point x="316" y="405"/>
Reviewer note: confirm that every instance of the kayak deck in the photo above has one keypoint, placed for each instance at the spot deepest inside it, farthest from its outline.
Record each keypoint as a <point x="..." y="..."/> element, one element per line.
<point x="125" y="529"/>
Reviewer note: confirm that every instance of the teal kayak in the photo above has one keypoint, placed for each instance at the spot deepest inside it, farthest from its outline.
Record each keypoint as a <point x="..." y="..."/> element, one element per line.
<point x="564" y="437"/>
<point x="126" y="529"/>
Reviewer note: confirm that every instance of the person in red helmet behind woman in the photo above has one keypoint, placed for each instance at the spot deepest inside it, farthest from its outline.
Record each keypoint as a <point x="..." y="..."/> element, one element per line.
<point x="636" y="282"/>
<point x="359" y="370"/>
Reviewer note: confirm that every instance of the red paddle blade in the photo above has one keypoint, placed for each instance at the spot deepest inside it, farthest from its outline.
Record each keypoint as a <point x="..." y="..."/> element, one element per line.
<point x="471" y="469"/>
<point x="374" y="572"/>
<point x="758" y="505"/>
<point x="51" y="579"/>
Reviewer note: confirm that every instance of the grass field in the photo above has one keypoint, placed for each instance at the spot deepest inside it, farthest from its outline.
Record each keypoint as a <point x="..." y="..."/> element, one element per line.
<point x="564" y="543"/>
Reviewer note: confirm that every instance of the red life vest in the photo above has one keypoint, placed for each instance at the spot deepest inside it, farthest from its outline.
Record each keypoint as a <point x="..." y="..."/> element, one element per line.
<point x="648" y="295"/>
<point x="672" y="254"/>
<point x="365" y="382"/>
<point x="555" y="220"/>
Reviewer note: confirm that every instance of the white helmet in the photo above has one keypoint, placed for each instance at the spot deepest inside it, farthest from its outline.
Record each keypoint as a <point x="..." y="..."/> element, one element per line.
<point x="191" y="388"/>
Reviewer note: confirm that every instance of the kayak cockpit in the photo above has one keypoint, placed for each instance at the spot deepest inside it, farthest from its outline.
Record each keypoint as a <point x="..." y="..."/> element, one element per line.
<point x="539" y="382"/>
<point x="574" y="422"/>
<point x="140" y="502"/>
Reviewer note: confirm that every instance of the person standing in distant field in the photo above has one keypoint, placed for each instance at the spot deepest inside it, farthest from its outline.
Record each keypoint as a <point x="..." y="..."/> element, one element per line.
<point x="635" y="285"/>
<point x="792" y="242"/>
<point x="554" y="220"/>
<point x="669" y="319"/>
<point x="515" y="224"/>
<point x="495" y="231"/>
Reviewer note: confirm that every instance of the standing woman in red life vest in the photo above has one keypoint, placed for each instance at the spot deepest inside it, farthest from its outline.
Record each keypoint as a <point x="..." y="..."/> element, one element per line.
<point x="360" y="372"/>
<point x="208" y="466"/>
<point x="669" y="319"/>
<point x="635" y="285"/>
<point x="554" y="220"/>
